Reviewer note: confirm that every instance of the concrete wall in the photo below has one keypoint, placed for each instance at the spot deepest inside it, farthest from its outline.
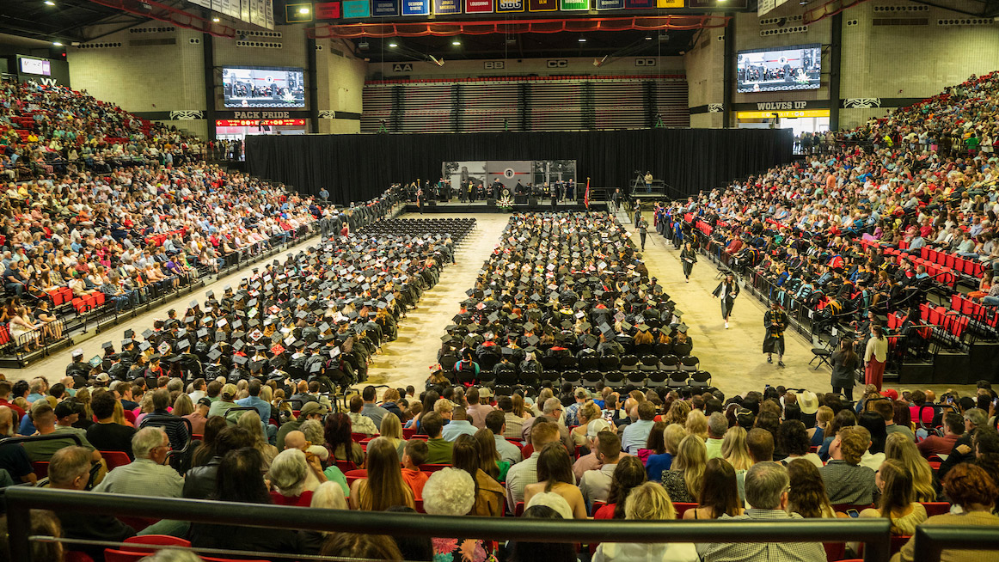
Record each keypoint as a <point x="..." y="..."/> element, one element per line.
<point x="703" y="67"/>
<point x="910" y="61"/>
<point x="155" y="68"/>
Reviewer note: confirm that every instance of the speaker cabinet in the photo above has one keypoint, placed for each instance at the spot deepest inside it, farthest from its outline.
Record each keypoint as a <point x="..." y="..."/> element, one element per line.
<point x="916" y="373"/>
<point x="950" y="368"/>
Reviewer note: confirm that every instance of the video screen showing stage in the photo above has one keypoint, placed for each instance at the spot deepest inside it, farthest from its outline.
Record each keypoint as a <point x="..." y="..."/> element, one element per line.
<point x="778" y="69"/>
<point x="263" y="87"/>
<point x="519" y="178"/>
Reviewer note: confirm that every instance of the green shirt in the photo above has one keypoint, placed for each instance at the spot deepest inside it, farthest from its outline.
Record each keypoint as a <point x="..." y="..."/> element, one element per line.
<point x="43" y="450"/>
<point x="438" y="451"/>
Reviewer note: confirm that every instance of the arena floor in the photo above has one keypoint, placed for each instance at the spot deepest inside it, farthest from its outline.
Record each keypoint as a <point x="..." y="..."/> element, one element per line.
<point x="732" y="356"/>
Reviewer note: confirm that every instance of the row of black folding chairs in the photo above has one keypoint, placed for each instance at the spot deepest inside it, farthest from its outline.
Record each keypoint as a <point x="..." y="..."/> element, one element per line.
<point x="594" y="380"/>
<point x="557" y="368"/>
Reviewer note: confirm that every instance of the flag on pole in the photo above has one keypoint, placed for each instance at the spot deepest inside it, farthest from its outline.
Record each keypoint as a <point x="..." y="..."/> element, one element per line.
<point x="586" y="195"/>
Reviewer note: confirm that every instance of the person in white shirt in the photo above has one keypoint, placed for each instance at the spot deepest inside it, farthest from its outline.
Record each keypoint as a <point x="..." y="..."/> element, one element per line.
<point x="596" y="483"/>
<point x="648" y="501"/>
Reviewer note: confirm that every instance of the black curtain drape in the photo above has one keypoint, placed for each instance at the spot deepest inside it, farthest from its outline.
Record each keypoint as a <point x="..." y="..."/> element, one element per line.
<point x="355" y="168"/>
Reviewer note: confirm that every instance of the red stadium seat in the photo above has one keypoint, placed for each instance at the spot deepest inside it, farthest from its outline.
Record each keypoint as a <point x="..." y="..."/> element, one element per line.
<point x="432" y="467"/>
<point x="115" y="459"/>
<point x="156" y="539"/>
<point x="116" y="555"/>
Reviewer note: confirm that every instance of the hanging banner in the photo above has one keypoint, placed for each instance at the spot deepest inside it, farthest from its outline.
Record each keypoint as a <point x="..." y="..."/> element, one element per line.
<point x="416" y="7"/>
<point x="610" y="4"/>
<point x="327" y="10"/>
<point x="571" y="5"/>
<point x="639" y="4"/>
<point x="478" y="6"/>
<point x="356" y="9"/>
<point x="669" y="3"/>
<point x="447" y="7"/>
<point x="383" y="8"/>
<point x="508" y="6"/>
<point x="542" y="5"/>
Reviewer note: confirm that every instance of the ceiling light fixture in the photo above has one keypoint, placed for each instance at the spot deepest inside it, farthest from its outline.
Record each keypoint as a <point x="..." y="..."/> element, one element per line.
<point x="456" y="43"/>
<point x="582" y="40"/>
<point x="49" y="3"/>
<point x="393" y="45"/>
<point x="303" y="10"/>
<point x="57" y="44"/>
<point x="216" y="20"/>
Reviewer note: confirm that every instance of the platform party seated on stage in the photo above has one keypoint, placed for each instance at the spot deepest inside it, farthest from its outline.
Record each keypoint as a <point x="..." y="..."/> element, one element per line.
<point x="561" y="290"/>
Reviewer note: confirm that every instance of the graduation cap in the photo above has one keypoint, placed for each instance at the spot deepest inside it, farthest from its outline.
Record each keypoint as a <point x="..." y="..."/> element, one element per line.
<point x="220" y="336"/>
<point x="682" y="327"/>
<point x="126" y="342"/>
<point x="256" y="366"/>
<point x="188" y="320"/>
<point x="147" y="333"/>
<point x="529" y="326"/>
<point x="278" y="362"/>
<point x="316" y="367"/>
<point x="145" y="346"/>
<point x="240" y="360"/>
<point x="214" y="355"/>
<point x="590" y="341"/>
<point x="532" y="340"/>
<point x="106" y="345"/>
<point x="129" y="334"/>
<point x="238" y="345"/>
<point x="643" y="327"/>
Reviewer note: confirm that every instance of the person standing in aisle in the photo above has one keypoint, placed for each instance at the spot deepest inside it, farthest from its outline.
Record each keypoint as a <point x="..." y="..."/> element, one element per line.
<point x="875" y="352"/>
<point x="726" y="292"/>
<point x="775" y="322"/>
<point x="643" y="226"/>
<point x="688" y="259"/>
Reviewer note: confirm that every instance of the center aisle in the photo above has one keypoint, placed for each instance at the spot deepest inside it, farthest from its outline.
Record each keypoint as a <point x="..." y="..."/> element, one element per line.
<point x="732" y="356"/>
<point x="406" y="360"/>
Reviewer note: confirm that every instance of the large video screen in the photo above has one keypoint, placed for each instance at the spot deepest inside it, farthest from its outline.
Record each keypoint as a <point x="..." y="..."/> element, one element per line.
<point x="778" y="69"/>
<point x="36" y="66"/>
<point x="263" y="87"/>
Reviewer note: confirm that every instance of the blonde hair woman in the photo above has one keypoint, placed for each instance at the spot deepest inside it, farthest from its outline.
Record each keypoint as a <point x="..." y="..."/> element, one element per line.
<point x="119" y="416"/>
<point x="586" y="413"/>
<point x="683" y="480"/>
<point x="734" y="449"/>
<point x="900" y="447"/>
<point x="392" y="430"/>
<point x="648" y="501"/>
<point x="697" y="424"/>
<point x="250" y="420"/>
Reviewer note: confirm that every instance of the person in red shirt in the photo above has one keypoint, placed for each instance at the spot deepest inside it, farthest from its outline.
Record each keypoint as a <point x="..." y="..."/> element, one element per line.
<point x="5" y="390"/>
<point x="414" y="454"/>
<point x="954" y="426"/>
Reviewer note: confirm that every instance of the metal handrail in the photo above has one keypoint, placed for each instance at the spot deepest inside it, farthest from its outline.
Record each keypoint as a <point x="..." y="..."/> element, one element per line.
<point x="929" y="540"/>
<point x="874" y="533"/>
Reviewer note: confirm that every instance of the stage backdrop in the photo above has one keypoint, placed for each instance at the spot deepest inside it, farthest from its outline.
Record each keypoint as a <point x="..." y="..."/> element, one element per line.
<point x="358" y="167"/>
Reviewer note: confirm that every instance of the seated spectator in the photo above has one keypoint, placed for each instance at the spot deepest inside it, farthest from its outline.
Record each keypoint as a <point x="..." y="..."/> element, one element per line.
<point x="793" y="440"/>
<point x="807" y="493"/>
<point x="107" y="435"/>
<point x="647" y="502"/>
<point x="970" y="488"/>
<point x="294" y="475"/>
<point x="329" y="496"/>
<point x="596" y="483"/>
<point x="489" y="494"/>
<point x="414" y="455"/>
<point x="200" y="481"/>
<point x="458" y="425"/>
<point x="337" y="434"/>
<point x="629" y="474"/>
<point x="69" y="469"/>
<point x="555" y="475"/>
<point x="204" y="450"/>
<point x="496" y="423"/>
<point x="359" y="422"/>
<point x="846" y="481"/>
<point x="525" y="473"/>
<point x="43" y="523"/>
<point x="654" y="443"/>
<point x="954" y="427"/>
<point x="45" y="422"/>
<point x="479" y="406"/>
<point x="489" y="457"/>
<point x="310" y="410"/>
<point x="147" y="476"/>
<point x="552" y="411"/>
<point x="452" y="492"/>
<point x="683" y="480"/>
<point x="368" y="547"/>
<point x="885" y="410"/>
<point x="767" y="497"/>
<point x="872" y="458"/>
<point x="656" y="464"/>
<point x="719" y="494"/>
<point x="896" y="499"/>
<point x="523" y="551"/>
<point x="717" y="427"/>
<point x="240" y="480"/>
<point x="200" y="415"/>
<point x="439" y="450"/>
<point x="384" y="486"/>
<point x="589" y="461"/>
<point x="255" y="427"/>
<point x="635" y="435"/>
<point x="902" y="449"/>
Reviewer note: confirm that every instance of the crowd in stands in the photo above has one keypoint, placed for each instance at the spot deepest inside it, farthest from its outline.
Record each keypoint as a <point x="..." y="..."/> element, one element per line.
<point x="102" y="207"/>
<point x="859" y="228"/>
<point x="645" y="455"/>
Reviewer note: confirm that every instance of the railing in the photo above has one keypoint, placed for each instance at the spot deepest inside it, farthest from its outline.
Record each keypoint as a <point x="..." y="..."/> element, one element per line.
<point x="929" y="541"/>
<point x="873" y="533"/>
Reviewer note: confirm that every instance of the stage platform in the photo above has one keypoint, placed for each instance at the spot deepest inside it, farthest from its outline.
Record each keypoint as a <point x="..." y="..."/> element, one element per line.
<point x="484" y="207"/>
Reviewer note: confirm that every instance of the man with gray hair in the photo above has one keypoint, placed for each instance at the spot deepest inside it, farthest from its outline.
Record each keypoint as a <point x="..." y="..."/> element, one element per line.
<point x="146" y="476"/>
<point x="552" y="411"/>
<point x="717" y="426"/>
<point x="767" y="497"/>
<point x="69" y="469"/>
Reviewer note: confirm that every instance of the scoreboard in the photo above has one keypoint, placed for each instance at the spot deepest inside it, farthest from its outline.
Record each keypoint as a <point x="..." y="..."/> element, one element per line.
<point x="401" y="9"/>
